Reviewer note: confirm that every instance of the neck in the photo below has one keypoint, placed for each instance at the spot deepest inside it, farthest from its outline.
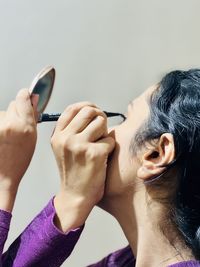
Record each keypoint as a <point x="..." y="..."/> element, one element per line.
<point x="143" y="232"/>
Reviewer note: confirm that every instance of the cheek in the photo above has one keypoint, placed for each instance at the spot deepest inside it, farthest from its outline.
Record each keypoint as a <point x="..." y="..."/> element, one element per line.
<point x="121" y="169"/>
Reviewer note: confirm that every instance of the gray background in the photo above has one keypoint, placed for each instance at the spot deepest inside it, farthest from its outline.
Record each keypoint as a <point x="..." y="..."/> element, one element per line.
<point x="105" y="51"/>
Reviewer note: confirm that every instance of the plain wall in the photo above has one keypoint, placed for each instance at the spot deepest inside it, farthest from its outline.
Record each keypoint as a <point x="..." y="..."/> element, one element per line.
<point x="105" y="51"/>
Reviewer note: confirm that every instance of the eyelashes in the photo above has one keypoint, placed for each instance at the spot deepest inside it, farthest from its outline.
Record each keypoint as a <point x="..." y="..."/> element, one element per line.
<point x="123" y="119"/>
<point x="119" y="115"/>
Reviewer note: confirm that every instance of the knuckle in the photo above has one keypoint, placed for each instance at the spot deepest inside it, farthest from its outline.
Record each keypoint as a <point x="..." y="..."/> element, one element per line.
<point x="79" y="105"/>
<point x="28" y="129"/>
<point x="102" y="125"/>
<point x="60" y="142"/>
<point x="88" y="111"/>
<point x="102" y="121"/>
<point x="70" y="107"/>
<point x="78" y="149"/>
<point x="24" y="93"/>
<point x="92" y="154"/>
<point x="65" y="142"/>
<point x="56" y="144"/>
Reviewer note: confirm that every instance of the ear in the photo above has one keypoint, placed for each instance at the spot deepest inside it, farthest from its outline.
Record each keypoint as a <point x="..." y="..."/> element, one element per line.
<point x="152" y="160"/>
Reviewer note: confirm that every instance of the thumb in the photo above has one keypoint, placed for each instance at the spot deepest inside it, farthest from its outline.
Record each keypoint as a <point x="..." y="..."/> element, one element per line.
<point x="34" y="102"/>
<point x="2" y="114"/>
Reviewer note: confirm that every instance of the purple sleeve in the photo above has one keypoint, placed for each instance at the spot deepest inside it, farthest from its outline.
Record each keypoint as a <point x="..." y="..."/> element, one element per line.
<point x="120" y="258"/>
<point x="191" y="263"/>
<point x="5" y="218"/>
<point x="41" y="243"/>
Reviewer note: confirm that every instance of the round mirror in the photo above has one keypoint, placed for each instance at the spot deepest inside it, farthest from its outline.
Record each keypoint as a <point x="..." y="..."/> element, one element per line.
<point x="42" y="85"/>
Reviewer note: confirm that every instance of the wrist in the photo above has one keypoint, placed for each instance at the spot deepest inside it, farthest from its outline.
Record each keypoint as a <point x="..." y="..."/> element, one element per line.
<point x="71" y="211"/>
<point x="7" y="199"/>
<point x="9" y="183"/>
<point x="8" y="192"/>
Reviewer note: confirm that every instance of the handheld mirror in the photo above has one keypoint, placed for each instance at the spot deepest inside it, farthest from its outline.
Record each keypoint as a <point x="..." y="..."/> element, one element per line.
<point x="42" y="85"/>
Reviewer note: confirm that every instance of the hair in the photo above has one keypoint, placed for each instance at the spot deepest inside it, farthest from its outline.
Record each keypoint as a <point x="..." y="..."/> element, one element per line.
<point x="175" y="108"/>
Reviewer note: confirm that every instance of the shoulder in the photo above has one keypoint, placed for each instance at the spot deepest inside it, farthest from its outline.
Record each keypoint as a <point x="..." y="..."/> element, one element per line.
<point x="120" y="258"/>
<point x="191" y="263"/>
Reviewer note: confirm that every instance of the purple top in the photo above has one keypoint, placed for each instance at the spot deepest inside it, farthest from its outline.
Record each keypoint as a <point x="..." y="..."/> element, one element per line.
<point x="41" y="244"/>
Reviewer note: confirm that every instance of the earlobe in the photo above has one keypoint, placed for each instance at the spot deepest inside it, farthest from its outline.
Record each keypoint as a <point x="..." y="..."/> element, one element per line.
<point x="154" y="160"/>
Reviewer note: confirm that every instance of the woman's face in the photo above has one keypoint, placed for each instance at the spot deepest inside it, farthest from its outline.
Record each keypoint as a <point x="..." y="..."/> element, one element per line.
<point x="122" y="166"/>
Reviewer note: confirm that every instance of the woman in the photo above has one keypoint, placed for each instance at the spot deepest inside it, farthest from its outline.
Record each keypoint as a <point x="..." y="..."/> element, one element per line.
<point x="149" y="183"/>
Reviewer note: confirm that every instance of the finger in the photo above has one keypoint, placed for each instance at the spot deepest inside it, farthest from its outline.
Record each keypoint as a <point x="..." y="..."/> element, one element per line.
<point x="95" y="130"/>
<point x="106" y="145"/>
<point x="69" y="113"/>
<point x="11" y="110"/>
<point x="11" y="113"/>
<point x="83" y="118"/>
<point x="23" y="104"/>
<point x="2" y="114"/>
<point x="34" y="101"/>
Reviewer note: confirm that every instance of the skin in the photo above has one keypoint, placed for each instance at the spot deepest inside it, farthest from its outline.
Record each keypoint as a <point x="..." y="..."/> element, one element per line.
<point x="82" y="144"/>
<point x="18" y="137"/>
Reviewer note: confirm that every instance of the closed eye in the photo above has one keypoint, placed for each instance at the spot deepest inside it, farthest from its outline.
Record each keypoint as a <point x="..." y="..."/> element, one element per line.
<point x="124" y="117"/>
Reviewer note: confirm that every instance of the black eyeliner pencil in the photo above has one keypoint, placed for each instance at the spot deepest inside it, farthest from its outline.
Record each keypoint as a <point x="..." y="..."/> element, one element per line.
<point x="54" y="117"/>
